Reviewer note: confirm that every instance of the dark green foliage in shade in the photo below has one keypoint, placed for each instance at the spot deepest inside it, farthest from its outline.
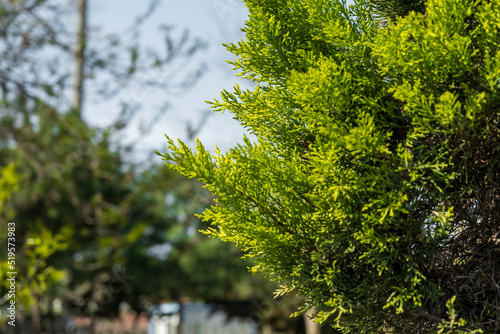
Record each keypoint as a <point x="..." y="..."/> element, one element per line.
<point x="396" y="8"/>
<point x="373" y="188"/>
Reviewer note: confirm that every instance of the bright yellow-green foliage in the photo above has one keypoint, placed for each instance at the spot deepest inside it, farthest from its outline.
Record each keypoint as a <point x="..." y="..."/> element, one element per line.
<point x="9" y="182"/>
<point x="373" y="187"/>
<point x="33" y="276"/>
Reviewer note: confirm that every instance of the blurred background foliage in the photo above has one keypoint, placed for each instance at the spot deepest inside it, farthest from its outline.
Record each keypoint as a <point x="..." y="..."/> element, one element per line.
<point x="93" y="229"/>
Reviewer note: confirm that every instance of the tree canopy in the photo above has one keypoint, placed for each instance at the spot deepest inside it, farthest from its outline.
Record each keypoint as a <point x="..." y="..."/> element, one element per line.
<point x="372" y="189"/>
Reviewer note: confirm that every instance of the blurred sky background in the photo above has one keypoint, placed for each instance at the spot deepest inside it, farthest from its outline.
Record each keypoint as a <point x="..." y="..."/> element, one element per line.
<point x="212" y="21"/>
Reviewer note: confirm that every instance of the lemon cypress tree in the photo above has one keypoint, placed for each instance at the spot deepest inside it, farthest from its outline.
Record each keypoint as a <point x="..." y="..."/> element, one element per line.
<point x="373" y="189"/>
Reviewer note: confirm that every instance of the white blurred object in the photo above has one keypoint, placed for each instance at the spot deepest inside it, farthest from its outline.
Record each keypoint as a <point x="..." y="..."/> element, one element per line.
<point x="164" y="319"/>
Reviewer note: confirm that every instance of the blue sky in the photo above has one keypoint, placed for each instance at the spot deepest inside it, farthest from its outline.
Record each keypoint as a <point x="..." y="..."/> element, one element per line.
<point x="213" y="21"/>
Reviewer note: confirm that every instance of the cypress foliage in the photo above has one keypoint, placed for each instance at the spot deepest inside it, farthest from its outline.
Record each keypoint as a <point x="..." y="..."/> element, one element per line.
<point x="373" y="189"/>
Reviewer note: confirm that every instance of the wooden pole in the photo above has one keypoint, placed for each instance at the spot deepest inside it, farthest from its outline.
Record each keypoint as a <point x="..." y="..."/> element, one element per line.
<point x="80" y="57"/>
<point x="311" y="326"/>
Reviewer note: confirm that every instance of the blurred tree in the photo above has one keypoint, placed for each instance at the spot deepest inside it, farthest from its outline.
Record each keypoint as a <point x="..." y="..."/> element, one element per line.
<point x="92" y="230"/>
<point x="74" y="202"/>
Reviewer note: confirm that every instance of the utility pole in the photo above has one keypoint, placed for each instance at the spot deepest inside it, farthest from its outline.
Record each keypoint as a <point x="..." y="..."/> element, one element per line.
<point x="80" y="57"/>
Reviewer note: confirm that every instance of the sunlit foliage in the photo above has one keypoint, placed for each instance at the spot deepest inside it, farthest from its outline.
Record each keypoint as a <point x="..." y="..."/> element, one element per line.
<point x="373" y="188"/>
